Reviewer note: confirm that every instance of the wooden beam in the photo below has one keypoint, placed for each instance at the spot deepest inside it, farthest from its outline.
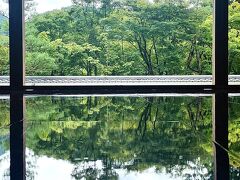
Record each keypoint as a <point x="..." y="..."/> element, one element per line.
<point x="17" y="45"/>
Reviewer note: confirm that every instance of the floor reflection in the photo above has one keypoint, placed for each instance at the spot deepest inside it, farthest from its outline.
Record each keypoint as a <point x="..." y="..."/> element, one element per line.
<point x="122" y="137"/>
<point x="4" y="137"/>
<point x="234" y="136"/>
<point x="119" y="137"/>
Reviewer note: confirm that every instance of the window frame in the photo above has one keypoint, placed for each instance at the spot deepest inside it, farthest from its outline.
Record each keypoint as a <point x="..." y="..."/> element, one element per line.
<point x="219" y="60"/>
<point x="18" y="89"/>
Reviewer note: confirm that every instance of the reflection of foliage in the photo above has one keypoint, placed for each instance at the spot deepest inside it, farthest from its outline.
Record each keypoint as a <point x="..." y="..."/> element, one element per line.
<point x="234" y="137"/>
<point x="4" y="114"/>
<point x="86" y="173"/>
<point x="89" y="171"/>
<point x="5" y="142"/>
<point x="234" y="131"/>
<point x="169" y="133"/>
<point x="4" y="126"/>
<point x="30" y="165"/>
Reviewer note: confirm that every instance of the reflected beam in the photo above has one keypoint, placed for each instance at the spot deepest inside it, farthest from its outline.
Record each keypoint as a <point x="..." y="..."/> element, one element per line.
<point x="220" y="136"/>
<point x="17" y="137"/>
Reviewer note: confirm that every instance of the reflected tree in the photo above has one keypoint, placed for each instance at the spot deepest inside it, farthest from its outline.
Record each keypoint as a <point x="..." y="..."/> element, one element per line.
<point x="123" y="133"/>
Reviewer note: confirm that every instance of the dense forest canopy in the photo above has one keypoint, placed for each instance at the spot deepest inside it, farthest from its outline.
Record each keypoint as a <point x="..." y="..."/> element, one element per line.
<point x="171" y="134"/>
<point x="123" y="37"/>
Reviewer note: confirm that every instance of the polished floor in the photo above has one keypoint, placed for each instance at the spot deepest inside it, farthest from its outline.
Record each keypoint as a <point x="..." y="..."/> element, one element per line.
<point x="128" y="136"/>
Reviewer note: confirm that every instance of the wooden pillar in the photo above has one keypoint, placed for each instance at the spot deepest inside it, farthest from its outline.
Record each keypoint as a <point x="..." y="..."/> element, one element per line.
<point x="17" y="45"/>
<point x="220" y="44"/>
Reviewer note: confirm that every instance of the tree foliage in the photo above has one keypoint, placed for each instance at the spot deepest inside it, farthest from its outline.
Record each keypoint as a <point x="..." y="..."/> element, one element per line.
<point x="121" y="37"/>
